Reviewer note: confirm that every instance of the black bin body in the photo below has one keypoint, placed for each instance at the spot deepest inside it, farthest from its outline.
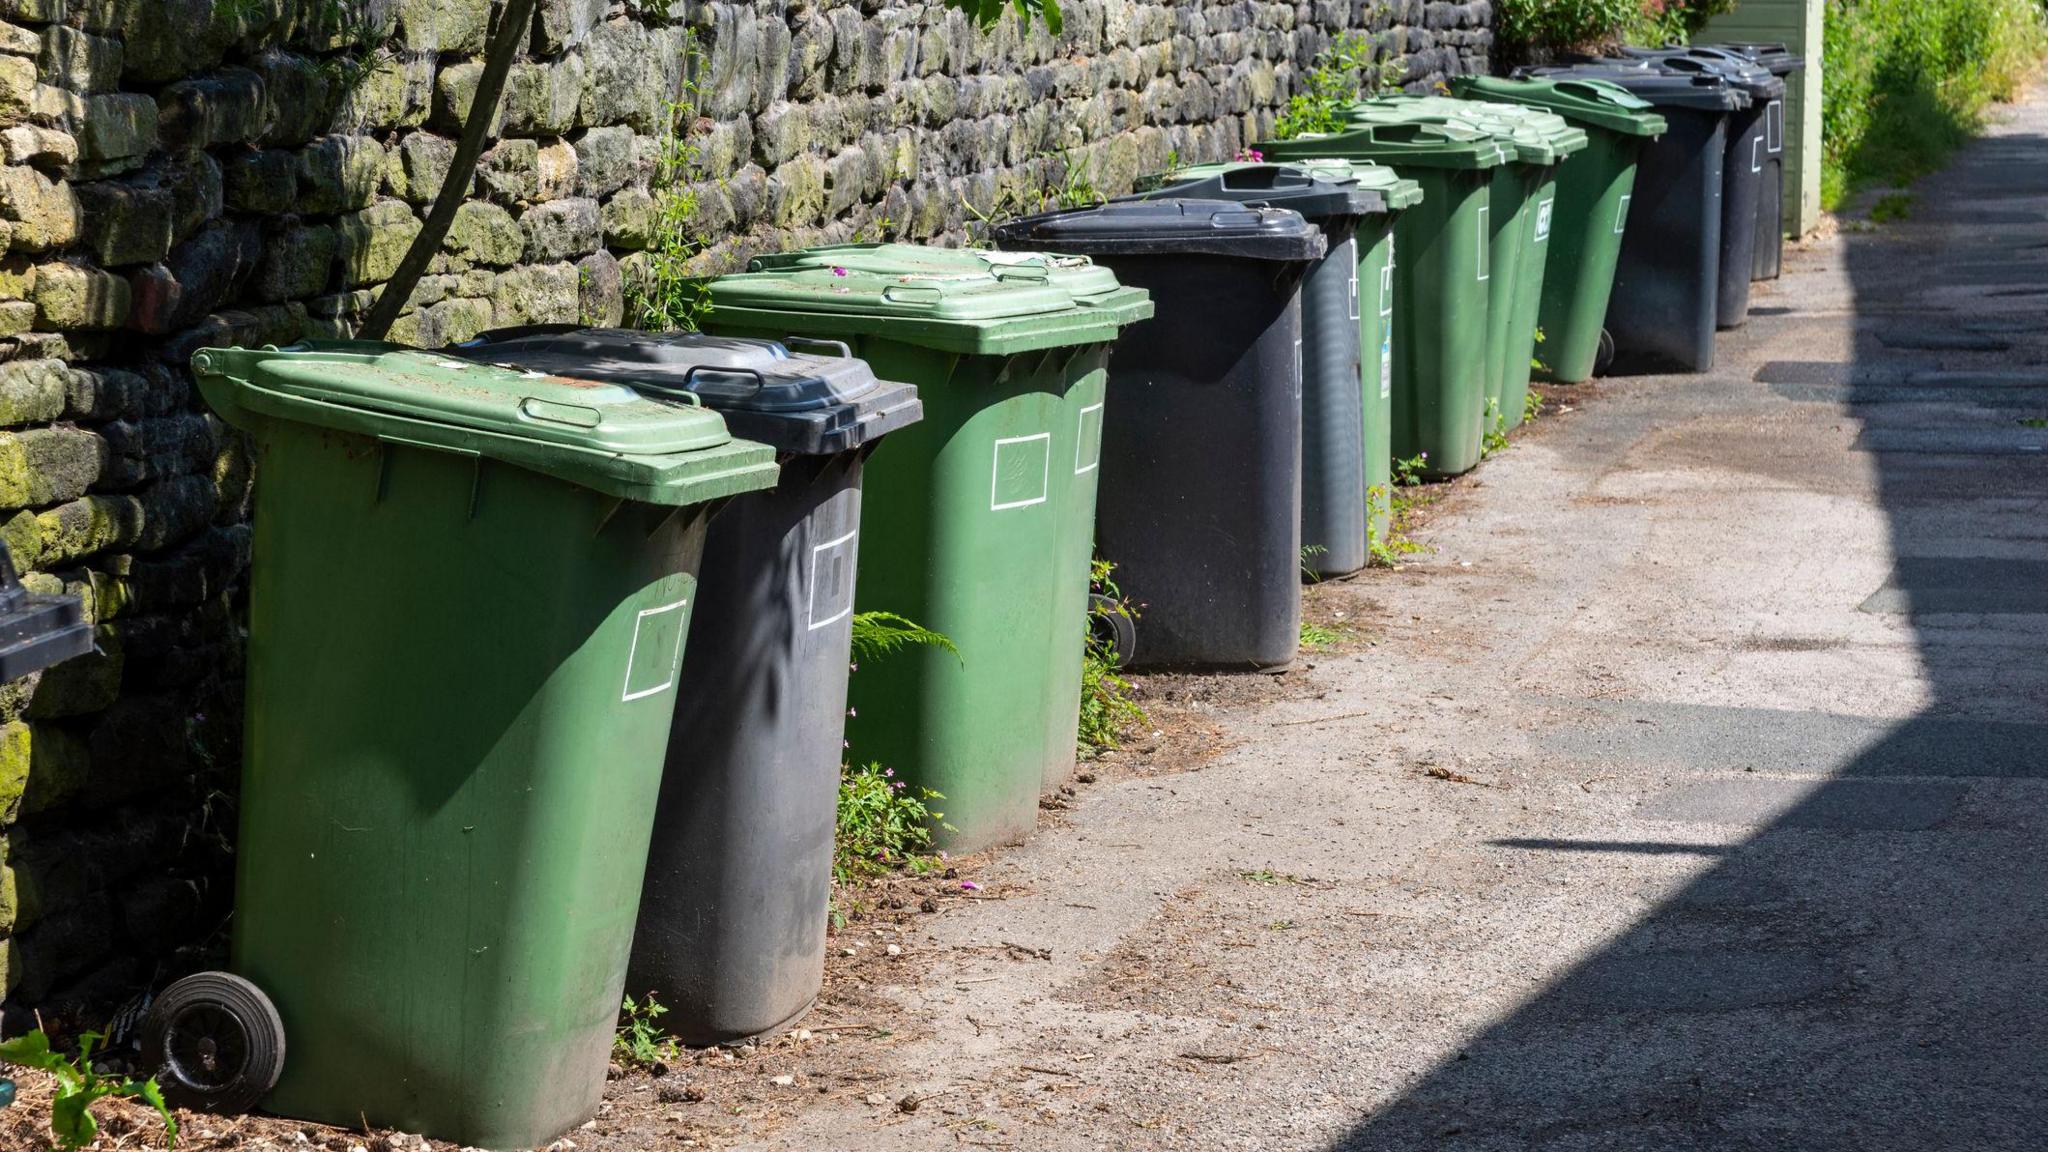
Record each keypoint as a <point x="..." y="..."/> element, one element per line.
<point x="1333" y="464"/>
<point x="1199" y="505"/>
<point x="1746" y="169"/>
<point x="731" y="936"/>
<point x="1769" y="260"/>
<point x="36" y="631"/>
<point x="1667" y="281"/>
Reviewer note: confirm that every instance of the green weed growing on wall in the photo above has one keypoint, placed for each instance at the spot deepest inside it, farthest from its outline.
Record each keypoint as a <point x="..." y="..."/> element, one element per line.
<point x="1340" y="74"/>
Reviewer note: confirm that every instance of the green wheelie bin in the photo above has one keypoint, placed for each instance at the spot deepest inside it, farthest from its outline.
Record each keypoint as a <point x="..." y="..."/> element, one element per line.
<point x="1441" y="265"/>
<point x="1593" y="194"/>
<point x="1368" y="303"/>
<point x="1520" y="203"/>
<point x="1098" y="288"/>
<point x="467" y="603"/>
<point x="976" y="523"/>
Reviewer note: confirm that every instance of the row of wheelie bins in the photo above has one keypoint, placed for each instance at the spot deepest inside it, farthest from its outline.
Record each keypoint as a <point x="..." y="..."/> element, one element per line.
<point x="548" y="672"/>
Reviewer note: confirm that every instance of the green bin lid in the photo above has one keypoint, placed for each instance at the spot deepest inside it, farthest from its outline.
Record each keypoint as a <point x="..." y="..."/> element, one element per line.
<point x="1091" y="285"/>
<point x="974" y="308"/>
<point x="606" y="437"/>
<point x="1395" y="191"/>
<point x="1536" y="136"/>
<point x="1410" y="144"/>
<point x="1588" y="101"/>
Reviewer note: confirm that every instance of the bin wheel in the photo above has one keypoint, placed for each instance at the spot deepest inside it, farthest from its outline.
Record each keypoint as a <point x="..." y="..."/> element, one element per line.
<point x="1603" y="357"/>
<point x="216" y="1043"/>
<point x="1113" y="628"/>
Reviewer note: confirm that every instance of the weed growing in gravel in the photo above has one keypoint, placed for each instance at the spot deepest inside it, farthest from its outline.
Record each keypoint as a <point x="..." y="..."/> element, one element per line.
<point x="641" y="1040"/>
<point x="882" y="824"/>
<point x="1532" y="406"/>
<point x="1321" y="637"/>
<point x="1108" y="706"/>
<point x="1407" y="474"/>
<point x="1892" y="206"/>
<point x="2034" y="421"/>
<point x="79" y="1085"/>
<point x="1309" y="552"/>
<point x="1496" y="430"/>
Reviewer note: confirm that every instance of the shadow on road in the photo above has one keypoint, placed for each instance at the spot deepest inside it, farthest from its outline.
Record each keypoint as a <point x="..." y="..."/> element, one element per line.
<point x="1870" y="969"/>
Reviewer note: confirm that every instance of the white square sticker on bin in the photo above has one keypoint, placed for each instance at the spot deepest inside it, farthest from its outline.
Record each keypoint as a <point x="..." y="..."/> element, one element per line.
<point x="656" y="654"/>
<point x="1023" y="472"/>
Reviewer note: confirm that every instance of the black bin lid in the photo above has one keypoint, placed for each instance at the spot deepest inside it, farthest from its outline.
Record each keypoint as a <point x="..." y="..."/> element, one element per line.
<point x="36" y="631"/>
<point x="791" y="401"/>
<point x="1705" y="92"/>
<point x="1737" y="69"/>
<point x="1316" y="197"/>
<point x="1176" y="227"/>
<point x="1777" y="57"/>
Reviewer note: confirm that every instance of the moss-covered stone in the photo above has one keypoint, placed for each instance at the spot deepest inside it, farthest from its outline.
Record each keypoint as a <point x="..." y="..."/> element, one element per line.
<point x="485" y="234"/>
<point x="69" y="296"/>
<point x="16" y="748"/>
<point x="32" y="391"/>
<point x="92" y="524"/>
<point x="372" y="242"/>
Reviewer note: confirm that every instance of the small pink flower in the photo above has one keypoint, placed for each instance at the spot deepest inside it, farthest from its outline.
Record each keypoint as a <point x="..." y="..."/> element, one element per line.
<point x="839" y="271"/>
<point x="852" y="712"/>
<point x="888" y="771"/>
<point x="969" y="886"/>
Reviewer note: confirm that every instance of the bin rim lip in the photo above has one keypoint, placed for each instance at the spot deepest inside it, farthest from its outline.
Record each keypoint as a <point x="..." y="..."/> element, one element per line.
<point x="1271" y="233"/>
<point x="1747" y="76"/>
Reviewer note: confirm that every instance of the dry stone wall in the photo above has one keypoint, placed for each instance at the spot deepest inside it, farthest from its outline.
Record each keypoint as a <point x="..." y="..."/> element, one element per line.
<point x="179" y="173"/>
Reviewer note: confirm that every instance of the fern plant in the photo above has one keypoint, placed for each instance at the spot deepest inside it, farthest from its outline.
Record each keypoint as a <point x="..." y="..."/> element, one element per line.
<point x="877" y="634"/>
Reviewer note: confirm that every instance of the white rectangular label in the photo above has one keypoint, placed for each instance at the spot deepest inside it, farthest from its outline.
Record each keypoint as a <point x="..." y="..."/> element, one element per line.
<point x="1387" y="282"/>
<point x="1386" y="363"/>
<point x="1088" y="439"/>
<point x="1621" y="213"/>
<point x="656" y="653"/>
<point x="1774" y="127"/>
<point x="1485" y="242"/>
<point x="1543" y="219"/>
<point x="1023" y="472"/>
<point x="832" y="580"/>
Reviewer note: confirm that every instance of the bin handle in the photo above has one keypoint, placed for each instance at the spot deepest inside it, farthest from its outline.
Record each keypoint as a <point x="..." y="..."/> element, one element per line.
<point x="1235" y="219"/>
<point x="1034" y="273"/>
<point x="1583" y="88"/>
<point x="556" y="412"/>
<point x="844" y="349"/>
<point x="1282" y="176"/>
<point x="690" y="377"/>
<point x="892" y="293"/>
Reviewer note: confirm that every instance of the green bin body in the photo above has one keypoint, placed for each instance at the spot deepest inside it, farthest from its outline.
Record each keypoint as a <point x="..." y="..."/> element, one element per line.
<point x="1593" y="195"/>
<point x="977" y="522"/>
<point x="1439" y="256"/>
<point x="467" y="603"/>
